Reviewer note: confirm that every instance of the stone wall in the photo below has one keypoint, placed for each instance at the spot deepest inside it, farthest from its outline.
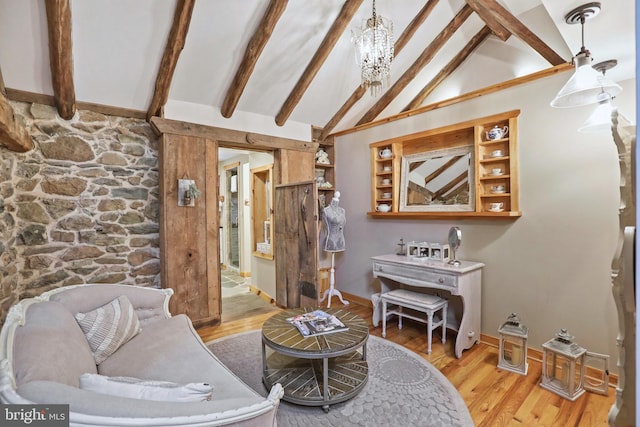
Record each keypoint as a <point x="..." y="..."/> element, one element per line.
<point x="82" y="207"/>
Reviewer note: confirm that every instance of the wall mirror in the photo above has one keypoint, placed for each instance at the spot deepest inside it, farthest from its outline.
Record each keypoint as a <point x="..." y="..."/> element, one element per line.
<point x="438" y="180"/>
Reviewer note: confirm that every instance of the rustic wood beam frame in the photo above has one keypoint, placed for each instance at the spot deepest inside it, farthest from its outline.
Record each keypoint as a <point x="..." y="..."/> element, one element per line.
<point x="449" y="68"/>
<point x="337" y="28"/>
<point x="61" y="56"/>
<point x="175" y="44"/>
<point x="38" y="98"/>
<point x="231" y="138"/>
<point x="425" y="57"/>
<point x="3" y="90"/>
<point x="359" y="92"/>
<point x="461" y="98"/>
<point x="254" y="49"/>
<point x="490" y="19"/>
<point x="513" y="24"/>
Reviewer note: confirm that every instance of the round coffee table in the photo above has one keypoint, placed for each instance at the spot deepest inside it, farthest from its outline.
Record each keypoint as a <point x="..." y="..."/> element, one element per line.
<point x="317" y="370"/>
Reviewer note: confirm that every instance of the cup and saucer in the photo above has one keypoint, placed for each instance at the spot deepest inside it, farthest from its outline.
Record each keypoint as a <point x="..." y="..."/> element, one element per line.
<point x="496" y="207"/>
<point x="496" y="172"/>
<point x="497" y="189"/>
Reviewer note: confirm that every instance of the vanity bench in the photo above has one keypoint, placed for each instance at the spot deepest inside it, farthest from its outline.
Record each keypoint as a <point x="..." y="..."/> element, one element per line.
<point x="460" y="285"/>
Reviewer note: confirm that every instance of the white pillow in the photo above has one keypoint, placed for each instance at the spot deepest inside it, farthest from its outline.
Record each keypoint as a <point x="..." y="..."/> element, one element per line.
<point x="109" y="327"/>
<point x="146" y="389"/>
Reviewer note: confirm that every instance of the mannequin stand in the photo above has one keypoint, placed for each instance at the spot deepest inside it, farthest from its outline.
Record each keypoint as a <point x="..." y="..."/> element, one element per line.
<point x="332" y="285"/>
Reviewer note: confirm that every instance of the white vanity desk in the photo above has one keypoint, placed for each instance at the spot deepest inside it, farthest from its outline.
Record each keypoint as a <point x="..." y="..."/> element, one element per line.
<point x="463" y="286"/>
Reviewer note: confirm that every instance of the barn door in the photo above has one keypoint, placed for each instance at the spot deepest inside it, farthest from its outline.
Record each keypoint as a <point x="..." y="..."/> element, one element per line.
<point x="296" y="247"/>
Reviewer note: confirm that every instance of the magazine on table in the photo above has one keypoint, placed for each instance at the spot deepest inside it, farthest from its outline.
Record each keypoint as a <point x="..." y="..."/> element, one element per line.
<point x="317" y="322"/>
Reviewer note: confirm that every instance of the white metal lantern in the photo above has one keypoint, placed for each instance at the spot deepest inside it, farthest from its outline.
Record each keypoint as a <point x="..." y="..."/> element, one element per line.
<point x="513" y="346"/>
<point x="563" y="367"/>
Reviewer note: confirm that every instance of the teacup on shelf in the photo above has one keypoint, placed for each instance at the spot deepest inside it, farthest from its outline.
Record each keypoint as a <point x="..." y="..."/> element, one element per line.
<point x="496" y="207"/>
<point x="497" y="153"/>
<point x="386" y="181"/>
<point x="386" y="195"/>
<point x="496" y="171"/>
<point x="497" y="188"/>
<point x="387" y="169"/>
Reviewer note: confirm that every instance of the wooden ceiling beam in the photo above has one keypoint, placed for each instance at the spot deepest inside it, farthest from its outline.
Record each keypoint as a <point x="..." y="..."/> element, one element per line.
<point x="513" y="24"/>
<point x="254" y="49"/>
<point x="61" y="56"/>
<point x="13" y="133"/>
<point x="401" y="42"/>
<point x="424" y="58"/>
<point x="337" y="28"/>
<point x="490" y="19"/>
<point x="175" y="44"/>
<point x="448" y="69"/>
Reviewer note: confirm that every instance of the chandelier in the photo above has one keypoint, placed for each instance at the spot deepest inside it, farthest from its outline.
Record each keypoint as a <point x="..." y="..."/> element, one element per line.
<point x="374" y="51"/>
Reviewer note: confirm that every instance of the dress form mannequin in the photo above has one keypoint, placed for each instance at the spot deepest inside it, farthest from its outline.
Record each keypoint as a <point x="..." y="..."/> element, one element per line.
<point x="334" y="219"/>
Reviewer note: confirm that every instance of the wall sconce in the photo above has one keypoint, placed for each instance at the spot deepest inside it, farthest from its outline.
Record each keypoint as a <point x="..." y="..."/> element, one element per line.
<point x="563" y="367"/>
<point x="586" y="84"/>
<point x="512" y="354"/>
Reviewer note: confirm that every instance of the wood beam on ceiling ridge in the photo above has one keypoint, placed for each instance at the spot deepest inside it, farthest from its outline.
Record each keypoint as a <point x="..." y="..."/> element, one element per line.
<point x="425" y="57"/>
<point x="359" y="92"/>
<point x="251" y="54"/>
<point x="513" y="24"/>
<point x="175" y="44"/>
<point x="337" y="28"/>
<point x="490" y="19"/>
<point x="460" y="98"/>
<point x="61" y="56"/>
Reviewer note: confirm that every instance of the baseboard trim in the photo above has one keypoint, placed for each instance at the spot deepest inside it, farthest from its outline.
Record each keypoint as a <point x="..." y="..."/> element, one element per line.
<point x="533" y="354"/>
<point x="262" y="295"/>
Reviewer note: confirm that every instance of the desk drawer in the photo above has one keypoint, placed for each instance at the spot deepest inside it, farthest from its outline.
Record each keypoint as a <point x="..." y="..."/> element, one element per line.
<point x="437" y="278"/>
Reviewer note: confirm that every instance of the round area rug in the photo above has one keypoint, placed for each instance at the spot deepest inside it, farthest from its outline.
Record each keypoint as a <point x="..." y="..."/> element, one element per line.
<point x="403" y="389"/>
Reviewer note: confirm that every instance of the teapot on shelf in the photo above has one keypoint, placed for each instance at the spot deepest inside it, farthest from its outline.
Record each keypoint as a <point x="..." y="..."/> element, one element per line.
<point x="386" y="153"/>
<point x="497" y="132"/>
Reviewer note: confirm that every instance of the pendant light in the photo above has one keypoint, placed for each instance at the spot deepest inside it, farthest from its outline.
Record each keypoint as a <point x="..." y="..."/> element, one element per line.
<point x="586" y="84"/>
<point x="600" y="119"/>
<point x="374" y="51"/>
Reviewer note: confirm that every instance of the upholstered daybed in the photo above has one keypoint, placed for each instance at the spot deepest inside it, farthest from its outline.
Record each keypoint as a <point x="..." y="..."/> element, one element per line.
<point x="44" y="351"/>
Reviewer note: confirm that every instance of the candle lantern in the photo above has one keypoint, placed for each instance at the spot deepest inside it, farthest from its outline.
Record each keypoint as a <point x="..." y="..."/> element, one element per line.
<point x="512" y="354"/>
<point x="563" y="367"/>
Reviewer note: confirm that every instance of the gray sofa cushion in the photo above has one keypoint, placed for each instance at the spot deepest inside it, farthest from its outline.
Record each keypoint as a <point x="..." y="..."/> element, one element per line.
<point x="171" y="350"/>
<point x="148" y="302"/>
<point x="51" y="347"/>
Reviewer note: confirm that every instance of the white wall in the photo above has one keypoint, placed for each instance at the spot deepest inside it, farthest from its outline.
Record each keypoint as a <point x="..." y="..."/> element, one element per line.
<point x="552" y="265"/>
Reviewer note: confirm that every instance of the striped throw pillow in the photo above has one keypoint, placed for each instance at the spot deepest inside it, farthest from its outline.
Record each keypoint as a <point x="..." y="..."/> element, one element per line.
<point x="109" y="327"/>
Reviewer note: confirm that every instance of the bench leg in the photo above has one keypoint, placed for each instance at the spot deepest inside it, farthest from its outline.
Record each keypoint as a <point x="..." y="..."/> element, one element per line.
<point x="444" y="324"/>
<point x="429" y="331"/>
<point x="384" y="318"/>
<point x="399" y="317"/>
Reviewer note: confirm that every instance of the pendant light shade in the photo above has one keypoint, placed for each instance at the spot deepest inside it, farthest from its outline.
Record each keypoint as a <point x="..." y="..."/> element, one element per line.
<point x="600" y="119"/>
<point x="586" y="84"/>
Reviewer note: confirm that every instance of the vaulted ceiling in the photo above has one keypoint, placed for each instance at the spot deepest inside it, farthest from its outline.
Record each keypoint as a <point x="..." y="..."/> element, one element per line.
<point x="290" y="61"/>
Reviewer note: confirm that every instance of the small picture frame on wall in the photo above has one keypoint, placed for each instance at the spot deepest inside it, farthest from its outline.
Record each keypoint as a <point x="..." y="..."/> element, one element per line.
<point x="184" y="198"/>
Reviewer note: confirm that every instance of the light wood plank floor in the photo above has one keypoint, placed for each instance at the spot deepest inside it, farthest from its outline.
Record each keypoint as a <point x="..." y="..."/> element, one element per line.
<point x="494" y="397"/>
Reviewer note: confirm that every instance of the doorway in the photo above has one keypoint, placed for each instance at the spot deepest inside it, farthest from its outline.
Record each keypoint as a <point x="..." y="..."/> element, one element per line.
<point x="243" y="277"/>
<point x="232" y="223"/>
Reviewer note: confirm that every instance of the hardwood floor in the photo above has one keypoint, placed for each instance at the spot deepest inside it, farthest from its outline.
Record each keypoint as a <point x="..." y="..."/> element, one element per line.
<point x="494" y="396"/>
